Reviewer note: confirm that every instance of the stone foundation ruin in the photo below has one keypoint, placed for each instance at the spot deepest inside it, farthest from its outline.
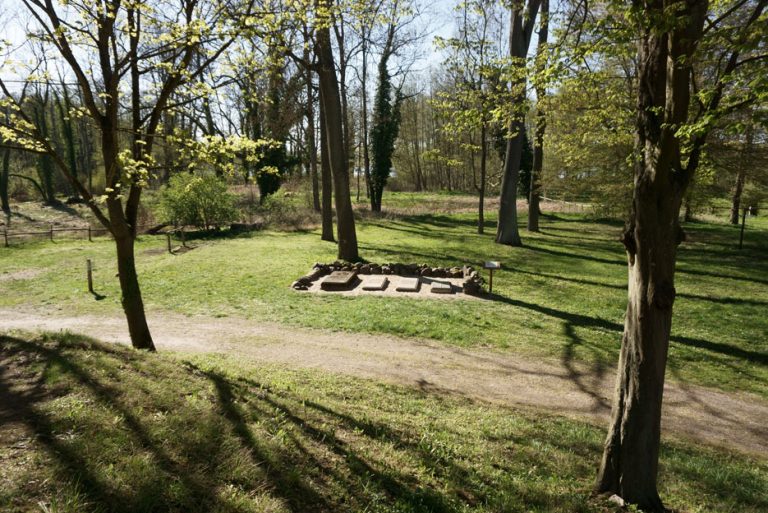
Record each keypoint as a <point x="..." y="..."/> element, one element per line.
<point x="345" y="277"/>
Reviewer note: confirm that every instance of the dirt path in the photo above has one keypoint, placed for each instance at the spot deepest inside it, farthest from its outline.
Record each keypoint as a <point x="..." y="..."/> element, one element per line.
<point x="732" y="420"/>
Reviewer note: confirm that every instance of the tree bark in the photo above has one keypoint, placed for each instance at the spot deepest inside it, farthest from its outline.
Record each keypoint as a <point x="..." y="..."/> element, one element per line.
<point x="483" y="173"/>
<point x="364" y="92"/>
<point x="741" y="175"/>
<point x="311" y="145"/>
<point x="327" y="182"/>
<point x="334" y="130"/>
<point x="736" y="198"/>
<point x="630" y="458"/>
<point x="133" y="305"/>
<point x="122" y="224"/>
<point x="506" y="230"/>
<point x="541" y="121"/>
<point x="520" y="30"/>
<point x="4" y="175"/>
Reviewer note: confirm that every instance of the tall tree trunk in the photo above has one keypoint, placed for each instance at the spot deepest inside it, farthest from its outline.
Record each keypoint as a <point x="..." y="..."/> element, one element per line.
<point x="327" y="182"/>
<point x="520" y="30"/>
<point x="311" y="145"/>
<point x="4" y="175"/>
<point x="364" y="92"/>
<point x="337" y="155"/>
<point x="630" y="458"/>
<point x="506" y="229"/>
<point x="123" y="228"/>
<point x="741" y="174"/>
<point x="736" y="197"/>
<point x="541" y="120"/>
<point x="483" y="172"/>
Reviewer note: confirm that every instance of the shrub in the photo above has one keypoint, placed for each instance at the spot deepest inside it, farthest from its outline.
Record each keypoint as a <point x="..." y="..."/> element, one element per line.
<point x="286" y="211"/>
<point x="198" y="200"/>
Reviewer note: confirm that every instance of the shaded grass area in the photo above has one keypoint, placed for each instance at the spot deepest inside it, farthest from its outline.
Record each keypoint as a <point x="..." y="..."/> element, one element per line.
<point x="105" y="428"/>
<point x="562" y="295"/>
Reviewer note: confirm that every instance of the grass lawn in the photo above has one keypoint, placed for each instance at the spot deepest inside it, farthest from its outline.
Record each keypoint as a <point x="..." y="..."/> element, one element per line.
<point x="563" y="295"/>
<point x="107" y="428"/>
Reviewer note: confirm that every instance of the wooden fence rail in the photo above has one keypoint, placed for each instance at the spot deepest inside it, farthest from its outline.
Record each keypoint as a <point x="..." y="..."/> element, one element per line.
<point x="89" y="232"/>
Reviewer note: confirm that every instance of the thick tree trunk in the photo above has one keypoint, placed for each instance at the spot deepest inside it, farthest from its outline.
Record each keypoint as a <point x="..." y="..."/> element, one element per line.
<point x="520" y="31"/>
<point x="133" y="305"/>
<point x="337" y="155"/>
<point x="630" y="458"/>
<point x="506" y="230"/>
<point x="327" y="183"/>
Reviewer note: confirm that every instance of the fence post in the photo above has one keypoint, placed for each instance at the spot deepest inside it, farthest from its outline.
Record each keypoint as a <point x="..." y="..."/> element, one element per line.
<point x="51" y="232"/>
<point x="183" y="238"/>
<point x="168" y="237"/>
<point x="5" y="236"/>
<point x="89" y="268"/>
<point x="89" y="234"/>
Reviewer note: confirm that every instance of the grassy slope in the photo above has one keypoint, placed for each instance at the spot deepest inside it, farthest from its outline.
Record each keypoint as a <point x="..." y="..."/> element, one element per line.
<point x="562" y="295"/>
<point x="121" y="431"/>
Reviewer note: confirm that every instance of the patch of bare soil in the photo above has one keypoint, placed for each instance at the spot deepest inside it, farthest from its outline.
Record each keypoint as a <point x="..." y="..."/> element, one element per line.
<point x="734" y="420"/>
<point x="24" y="274"/>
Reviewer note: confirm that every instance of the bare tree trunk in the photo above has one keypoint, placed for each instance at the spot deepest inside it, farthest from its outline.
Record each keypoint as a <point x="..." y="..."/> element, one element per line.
<point x="520" y="30"/>
<point x="4" y="175"/>
<point x="506" y="230"/>
<point x="541" y="121"/>
<point x="333" y="126"/>
<point x="311" y="146"/>
<point x="123" y="228"/>
<point x="741" y="176"/>
<point x="483" y="172"/>
<point x="327" y="182"/>
<point x="366" y="155"/>
<point x="538" y="156"/>
<point x="133" y="305"/>
<point x="736" y="198"/>
<point x="630" y="458"/>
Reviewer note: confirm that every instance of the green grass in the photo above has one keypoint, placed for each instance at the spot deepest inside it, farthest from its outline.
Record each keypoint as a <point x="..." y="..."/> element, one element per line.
<point x="112" y="429"/>
<point x="561" y="296"/>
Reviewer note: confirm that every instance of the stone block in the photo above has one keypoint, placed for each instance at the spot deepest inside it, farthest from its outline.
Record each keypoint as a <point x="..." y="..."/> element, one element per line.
<point x="378" y="282"/>
<point x="440" y="287"/>
<point x="409" y="285"/>
<point x="339" y="280"/>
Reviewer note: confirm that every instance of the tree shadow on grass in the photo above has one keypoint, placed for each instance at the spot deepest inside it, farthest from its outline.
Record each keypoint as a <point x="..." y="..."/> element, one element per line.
<point x="595" y="322"/>
<point x="145" y="493"/>
<point x="159" y="436"/>
<point x="140" y="445"/>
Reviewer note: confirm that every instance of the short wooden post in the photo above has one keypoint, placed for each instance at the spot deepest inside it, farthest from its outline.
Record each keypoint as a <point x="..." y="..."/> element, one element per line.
<point x="168" y="238"/>
<point x="183" y="238"/>
<point x="5" y="236"/>
<point x="491" y="266"/>
<point x="51" y="232"/>
<point x="743" y="222"/>
<point x="89" y="235"/>
<point x="89" y="269"/>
